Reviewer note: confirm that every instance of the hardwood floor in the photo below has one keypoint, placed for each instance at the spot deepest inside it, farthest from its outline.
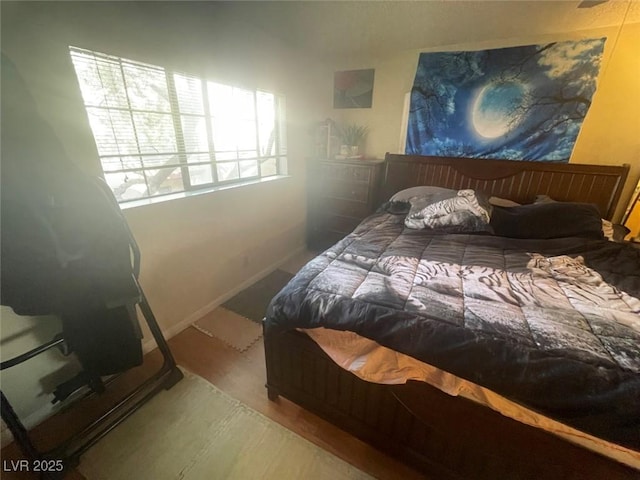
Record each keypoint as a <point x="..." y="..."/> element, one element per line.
<point x="241" y="375"/>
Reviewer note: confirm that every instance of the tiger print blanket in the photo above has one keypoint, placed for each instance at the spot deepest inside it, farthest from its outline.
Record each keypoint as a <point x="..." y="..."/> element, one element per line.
<point x="551" y="324"/>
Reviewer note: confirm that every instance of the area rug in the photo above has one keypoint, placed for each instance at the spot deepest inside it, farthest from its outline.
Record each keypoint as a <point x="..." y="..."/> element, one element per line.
<point x="253" y="301"/>
<point x="235" y="330"/>
<point x="195" y="431"/>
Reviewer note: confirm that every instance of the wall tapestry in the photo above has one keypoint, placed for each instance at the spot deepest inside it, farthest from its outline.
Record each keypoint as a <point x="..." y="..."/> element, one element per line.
<point x="353" y="88"/>
<point x="525" y="103"/>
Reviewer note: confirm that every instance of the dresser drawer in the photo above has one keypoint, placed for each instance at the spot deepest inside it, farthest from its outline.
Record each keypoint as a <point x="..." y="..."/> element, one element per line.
<point x="348" y="173"/>
<point x="347" y="208"/>
<point x="341" y="194"/>
<point x="347" y="190"/>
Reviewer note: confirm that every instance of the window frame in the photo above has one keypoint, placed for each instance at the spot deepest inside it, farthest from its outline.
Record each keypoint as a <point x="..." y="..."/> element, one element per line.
<point x="277" y="154"/>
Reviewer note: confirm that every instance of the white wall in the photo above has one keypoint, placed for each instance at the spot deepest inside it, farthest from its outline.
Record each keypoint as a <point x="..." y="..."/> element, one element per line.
<point x="197" y="249"/>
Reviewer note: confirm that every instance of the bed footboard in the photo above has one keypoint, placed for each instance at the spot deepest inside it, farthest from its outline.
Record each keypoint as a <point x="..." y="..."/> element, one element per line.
<point x="440" y="435"/>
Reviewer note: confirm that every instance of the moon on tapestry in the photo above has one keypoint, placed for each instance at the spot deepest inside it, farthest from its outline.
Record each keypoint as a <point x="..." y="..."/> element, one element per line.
<point x="495" y="109"/>
<point x="525" y="103"/>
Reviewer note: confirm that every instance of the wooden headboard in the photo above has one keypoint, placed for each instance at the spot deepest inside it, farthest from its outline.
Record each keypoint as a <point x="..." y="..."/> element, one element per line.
<point x="519" y="181"/>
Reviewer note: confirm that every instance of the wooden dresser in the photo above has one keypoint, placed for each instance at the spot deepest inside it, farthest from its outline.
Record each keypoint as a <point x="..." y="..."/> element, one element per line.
<point x="341" y="194"/>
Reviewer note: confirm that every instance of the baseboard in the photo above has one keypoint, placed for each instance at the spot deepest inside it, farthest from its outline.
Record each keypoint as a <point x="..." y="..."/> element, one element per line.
<point x="150" y="344"/>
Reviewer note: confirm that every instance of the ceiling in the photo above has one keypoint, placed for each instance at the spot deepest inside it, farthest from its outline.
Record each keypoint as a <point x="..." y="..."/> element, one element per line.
<point x="342" y="29"/>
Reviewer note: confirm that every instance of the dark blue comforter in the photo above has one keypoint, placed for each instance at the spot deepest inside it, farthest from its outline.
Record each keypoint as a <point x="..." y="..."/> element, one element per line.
<point x="551" y="324"/>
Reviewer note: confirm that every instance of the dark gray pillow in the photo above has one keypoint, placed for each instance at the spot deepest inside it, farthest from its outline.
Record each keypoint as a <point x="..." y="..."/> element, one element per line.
<point x="548" y="220"/>
<point x="422" y="191"/>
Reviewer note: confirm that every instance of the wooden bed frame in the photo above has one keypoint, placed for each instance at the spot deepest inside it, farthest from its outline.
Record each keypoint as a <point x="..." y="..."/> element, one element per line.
<point x="518" y="181"/>
<point x="441" y="435"/>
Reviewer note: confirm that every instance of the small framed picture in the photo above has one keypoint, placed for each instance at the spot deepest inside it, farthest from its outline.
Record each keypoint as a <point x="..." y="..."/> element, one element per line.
<point x="353" y="88"/>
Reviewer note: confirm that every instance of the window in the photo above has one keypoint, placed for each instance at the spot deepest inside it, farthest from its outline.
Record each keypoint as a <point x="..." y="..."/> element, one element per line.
<point x="160" y="132"/>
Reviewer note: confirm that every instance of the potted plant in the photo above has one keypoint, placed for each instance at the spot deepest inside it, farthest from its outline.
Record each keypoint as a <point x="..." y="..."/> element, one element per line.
<point x="352" y="136"/>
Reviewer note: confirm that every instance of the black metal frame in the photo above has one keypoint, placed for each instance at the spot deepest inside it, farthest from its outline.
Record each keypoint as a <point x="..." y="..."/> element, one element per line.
<point x="70" y="450"/>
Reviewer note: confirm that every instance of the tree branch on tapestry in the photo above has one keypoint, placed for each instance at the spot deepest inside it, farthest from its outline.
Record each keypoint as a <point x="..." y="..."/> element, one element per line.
<point x="431" y="102"/>
<point x="522" y="62"/>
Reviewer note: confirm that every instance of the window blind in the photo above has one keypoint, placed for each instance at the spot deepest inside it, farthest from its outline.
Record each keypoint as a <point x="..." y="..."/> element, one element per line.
<point x="159" y="132"/>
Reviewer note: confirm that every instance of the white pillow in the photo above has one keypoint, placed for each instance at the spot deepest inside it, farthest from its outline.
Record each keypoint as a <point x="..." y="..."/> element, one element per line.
<point x="423" y="190"/>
